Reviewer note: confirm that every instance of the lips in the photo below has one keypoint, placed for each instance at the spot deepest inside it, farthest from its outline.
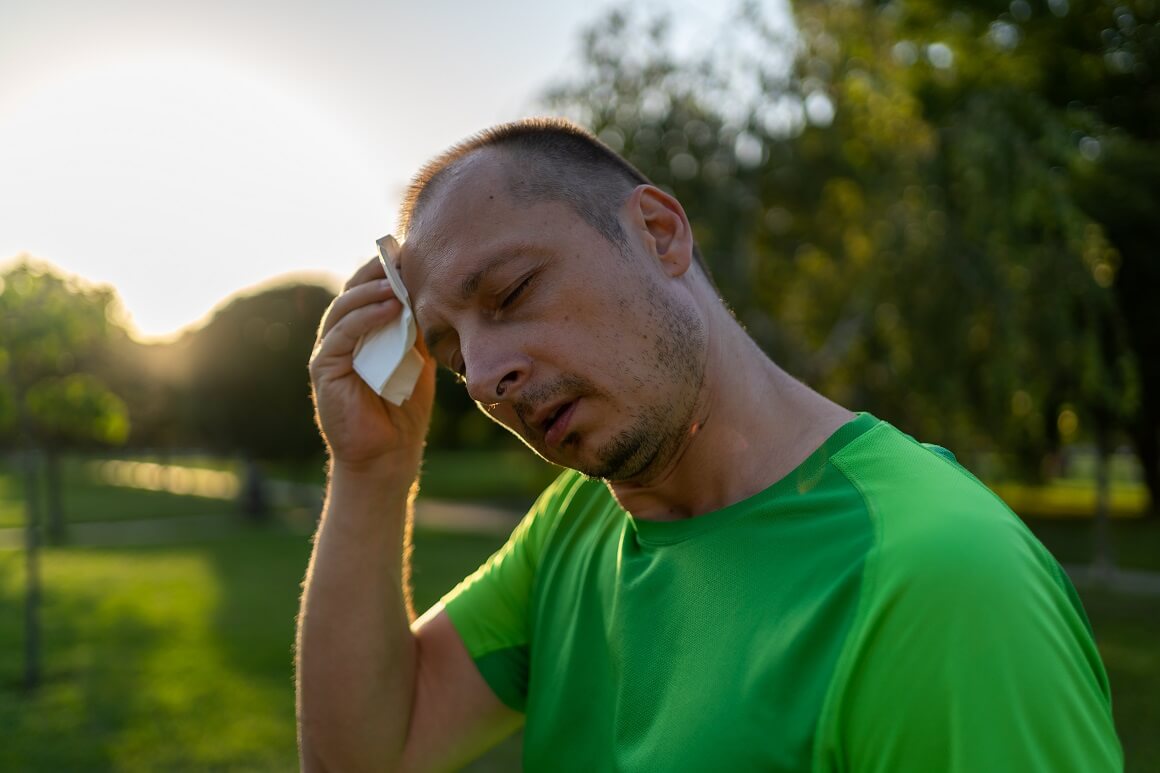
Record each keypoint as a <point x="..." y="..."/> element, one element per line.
<point x="555" y="422"/>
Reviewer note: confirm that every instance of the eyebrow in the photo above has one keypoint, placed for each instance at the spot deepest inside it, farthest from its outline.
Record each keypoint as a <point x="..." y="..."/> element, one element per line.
<point x="471" y="284"/>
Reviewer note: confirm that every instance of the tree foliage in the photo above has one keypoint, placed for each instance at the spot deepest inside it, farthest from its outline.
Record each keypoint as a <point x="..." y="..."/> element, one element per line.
<point x="245" y="380"/>
<point x="891" y="197"/>
<point x="55" y="338"/>
<point x="54" y="342"/>
<point x="1090" y="73"/>
<point x="77" y="408"/>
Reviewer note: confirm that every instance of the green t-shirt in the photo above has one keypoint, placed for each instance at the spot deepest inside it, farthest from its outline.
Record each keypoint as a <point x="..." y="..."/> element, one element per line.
<point x="876" y="609"/>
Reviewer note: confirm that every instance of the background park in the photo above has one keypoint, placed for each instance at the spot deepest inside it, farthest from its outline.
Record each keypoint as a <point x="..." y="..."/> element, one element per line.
<point x="942" y="213"/>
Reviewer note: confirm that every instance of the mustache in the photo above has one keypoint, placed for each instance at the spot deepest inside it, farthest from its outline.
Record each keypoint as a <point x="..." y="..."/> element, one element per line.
<point x="532" y="399"/>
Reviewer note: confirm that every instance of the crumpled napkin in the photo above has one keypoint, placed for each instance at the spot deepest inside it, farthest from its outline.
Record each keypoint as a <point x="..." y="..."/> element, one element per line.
<point x="387" y="358"/>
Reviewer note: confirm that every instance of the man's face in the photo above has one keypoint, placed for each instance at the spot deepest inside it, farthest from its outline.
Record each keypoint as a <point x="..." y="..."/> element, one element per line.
<point x="583" y="351"/>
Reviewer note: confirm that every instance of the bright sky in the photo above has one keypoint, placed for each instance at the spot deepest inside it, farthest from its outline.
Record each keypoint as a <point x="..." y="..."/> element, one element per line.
<point x="184" y="151"/>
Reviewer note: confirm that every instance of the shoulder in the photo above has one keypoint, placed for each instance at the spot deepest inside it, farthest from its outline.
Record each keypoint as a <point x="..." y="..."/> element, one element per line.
<point x="928" y="512"/>
<point x="964" y="624"/>
<point x="561" y="504"/>
<point x="561" y="501"/>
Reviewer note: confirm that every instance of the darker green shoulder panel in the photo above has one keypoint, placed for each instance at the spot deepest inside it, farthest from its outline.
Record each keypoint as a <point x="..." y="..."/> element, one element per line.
<point x="970" y="650"/>
<point x="506" y="672"/>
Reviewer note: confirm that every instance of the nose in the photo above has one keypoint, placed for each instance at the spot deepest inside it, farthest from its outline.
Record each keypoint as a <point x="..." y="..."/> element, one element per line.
<point x="495" y="369"/>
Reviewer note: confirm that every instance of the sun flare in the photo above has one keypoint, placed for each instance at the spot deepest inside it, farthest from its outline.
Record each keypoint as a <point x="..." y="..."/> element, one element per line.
<point x="192" y="174"/>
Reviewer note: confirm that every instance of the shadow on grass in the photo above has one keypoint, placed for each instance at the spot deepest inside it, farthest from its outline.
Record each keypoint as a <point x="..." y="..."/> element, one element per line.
<point x="259" y="577"/>
<point x="136" y="678"/>
<point x="90" y="676"/>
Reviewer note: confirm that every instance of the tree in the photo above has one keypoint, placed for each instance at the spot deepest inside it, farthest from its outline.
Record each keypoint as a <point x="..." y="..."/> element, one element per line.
<point x="56" y="335"/>
<point x="54" y="330"/>
<point x="245" y="383"/>
<point x="1088" y="77"/>
<point x="69" y="412"/>
<point x="933" y="267"/>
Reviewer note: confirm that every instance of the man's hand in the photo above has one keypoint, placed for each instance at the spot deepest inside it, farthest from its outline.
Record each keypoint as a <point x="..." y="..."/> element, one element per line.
<point x="375" y="692"/>
<point x="362" y="431"/>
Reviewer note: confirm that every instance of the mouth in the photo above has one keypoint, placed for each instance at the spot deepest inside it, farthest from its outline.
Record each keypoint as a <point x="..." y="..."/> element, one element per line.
<point x="555" y="424"/>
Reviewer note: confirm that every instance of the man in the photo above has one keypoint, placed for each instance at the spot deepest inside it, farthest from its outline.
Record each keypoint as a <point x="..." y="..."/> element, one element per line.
<point x="763" y="580"/>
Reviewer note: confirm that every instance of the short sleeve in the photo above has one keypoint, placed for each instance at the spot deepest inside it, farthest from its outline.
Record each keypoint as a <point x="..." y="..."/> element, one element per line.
<point x="970" y="650"/>
<point x="491" y="607"/>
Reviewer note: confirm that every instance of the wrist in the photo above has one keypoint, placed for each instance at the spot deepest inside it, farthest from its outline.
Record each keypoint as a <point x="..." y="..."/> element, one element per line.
<point x="381" y="477"/>
<point x="368" y="505"/>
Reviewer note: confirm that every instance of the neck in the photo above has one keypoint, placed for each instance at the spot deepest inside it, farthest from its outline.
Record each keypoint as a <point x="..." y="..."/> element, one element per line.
<point x="753" y="425"/>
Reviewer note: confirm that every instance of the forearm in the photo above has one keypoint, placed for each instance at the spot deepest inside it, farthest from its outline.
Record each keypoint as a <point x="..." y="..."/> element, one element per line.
<point x="356" y="654"/>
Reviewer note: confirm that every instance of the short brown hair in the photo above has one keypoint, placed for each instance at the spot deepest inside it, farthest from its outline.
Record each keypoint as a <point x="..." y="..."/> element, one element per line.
<point x="560" y="161"/>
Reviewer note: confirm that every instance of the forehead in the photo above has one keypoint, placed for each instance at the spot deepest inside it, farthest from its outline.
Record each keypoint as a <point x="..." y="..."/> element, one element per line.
<point x="468" y="220"/>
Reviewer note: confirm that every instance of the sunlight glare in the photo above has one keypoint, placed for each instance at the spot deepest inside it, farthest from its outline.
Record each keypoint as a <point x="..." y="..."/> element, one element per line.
<point x="179" y="179"/>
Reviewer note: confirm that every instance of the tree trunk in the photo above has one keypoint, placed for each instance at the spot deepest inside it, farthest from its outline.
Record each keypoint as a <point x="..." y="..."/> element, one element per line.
<point x="57" y="532"/>
<point x="32" y="573"/>
<point x="255" y="497"/>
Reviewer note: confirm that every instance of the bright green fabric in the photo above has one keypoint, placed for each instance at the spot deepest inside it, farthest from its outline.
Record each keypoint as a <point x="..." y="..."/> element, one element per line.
<point x="876" y="609"/>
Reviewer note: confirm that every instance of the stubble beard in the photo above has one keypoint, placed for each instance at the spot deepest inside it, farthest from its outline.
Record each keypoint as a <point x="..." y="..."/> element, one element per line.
<point x="658" y="431"/>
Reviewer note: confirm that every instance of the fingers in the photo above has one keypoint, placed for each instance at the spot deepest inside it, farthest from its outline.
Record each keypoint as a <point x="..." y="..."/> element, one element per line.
<point x="343" y="336"/>
<point x="372" y="269"/>
<point x="358" y="296"/>
<point x="367" y="303"/>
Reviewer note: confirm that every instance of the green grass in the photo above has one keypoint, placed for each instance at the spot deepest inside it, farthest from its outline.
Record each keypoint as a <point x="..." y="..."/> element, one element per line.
<point x="1127" y="631"/>
<point x="156" y="659"/>
<point x="175" y="658"/>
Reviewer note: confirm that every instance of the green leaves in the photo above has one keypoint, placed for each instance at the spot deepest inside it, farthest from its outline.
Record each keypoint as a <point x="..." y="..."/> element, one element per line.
<point x="77" y="407"/>
<point x="905" y="213"/>
<point x="53" y="344"/>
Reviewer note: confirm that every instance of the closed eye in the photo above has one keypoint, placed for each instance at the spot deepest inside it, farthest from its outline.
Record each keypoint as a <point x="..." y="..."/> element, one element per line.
<point x="516" y="293"/>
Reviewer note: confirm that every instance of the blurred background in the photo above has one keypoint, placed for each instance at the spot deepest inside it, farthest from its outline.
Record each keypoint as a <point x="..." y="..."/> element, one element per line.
<point x="946" y="214"/>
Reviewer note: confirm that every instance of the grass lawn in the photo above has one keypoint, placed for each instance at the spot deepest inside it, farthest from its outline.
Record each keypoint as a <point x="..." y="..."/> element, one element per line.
<point x="175" y="658"/>
<point x="1127" y="631"/>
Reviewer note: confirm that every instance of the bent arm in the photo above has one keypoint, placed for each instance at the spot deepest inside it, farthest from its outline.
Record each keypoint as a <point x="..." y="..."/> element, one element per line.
<point x="376" y="692"/>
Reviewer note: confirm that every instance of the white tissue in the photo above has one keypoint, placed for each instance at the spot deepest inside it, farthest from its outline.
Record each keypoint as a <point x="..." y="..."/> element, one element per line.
<point x="387" y="358"/>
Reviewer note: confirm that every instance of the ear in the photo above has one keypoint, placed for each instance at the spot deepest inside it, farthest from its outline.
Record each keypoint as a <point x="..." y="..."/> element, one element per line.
<point x="660" y="221"/>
